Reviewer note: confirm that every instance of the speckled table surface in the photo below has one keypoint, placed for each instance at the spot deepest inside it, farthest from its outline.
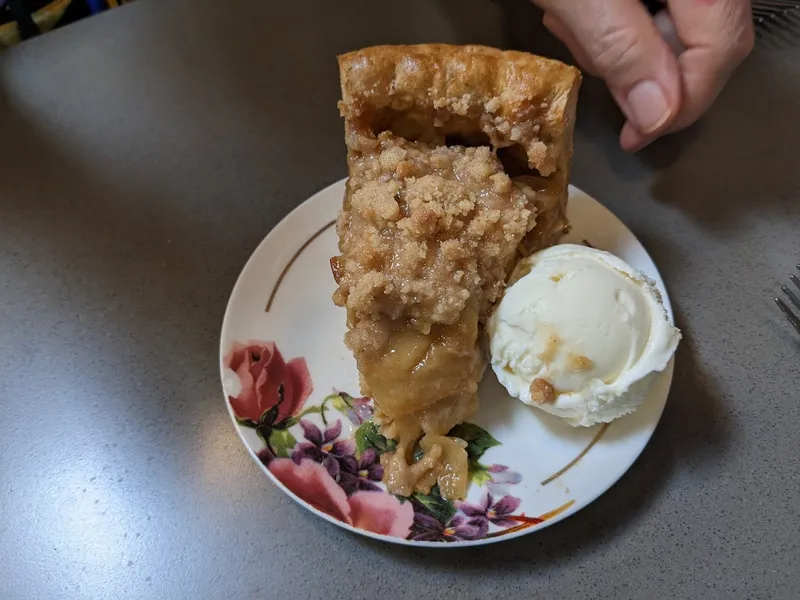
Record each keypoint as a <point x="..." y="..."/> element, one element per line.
<point x="146" y="153"/>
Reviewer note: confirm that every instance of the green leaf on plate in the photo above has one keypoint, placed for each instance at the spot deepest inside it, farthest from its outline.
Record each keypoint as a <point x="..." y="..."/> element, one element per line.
<point x="432" y="503"/>
<point x="246" y="422"/>
<point x="478" y="439"/>
<point x="341" y="402"/>
<point x="289" y="422"/>
<point x="368" y="436"/>
<point x="478" y="473"/>
<point x="264" y="431"/>
<point x="282" y="442"/>
<point x="292" y="421"/>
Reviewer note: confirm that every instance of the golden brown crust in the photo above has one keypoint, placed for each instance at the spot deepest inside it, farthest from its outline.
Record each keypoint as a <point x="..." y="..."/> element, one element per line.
<point x="515" y="98"/>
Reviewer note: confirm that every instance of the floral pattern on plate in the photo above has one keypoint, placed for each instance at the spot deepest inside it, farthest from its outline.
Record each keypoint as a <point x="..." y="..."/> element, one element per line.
<point x="328" y="455"/>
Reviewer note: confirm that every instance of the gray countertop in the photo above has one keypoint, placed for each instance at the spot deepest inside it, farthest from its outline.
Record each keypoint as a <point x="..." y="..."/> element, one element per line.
<point x="146" y="152"/>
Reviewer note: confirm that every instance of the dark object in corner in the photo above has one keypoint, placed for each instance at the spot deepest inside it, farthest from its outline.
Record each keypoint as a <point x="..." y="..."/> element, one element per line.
<point x="20" y="11"/>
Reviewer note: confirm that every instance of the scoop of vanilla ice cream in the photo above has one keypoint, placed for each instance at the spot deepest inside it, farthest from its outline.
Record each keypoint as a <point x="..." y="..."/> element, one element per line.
<point x="580" y="334"/>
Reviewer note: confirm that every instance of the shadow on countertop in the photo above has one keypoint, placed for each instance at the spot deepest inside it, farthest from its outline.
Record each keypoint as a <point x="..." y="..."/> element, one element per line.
<point x="746" y="161"/>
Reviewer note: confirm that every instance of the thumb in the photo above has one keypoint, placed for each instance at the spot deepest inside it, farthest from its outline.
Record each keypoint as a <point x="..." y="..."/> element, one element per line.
<point x="620" y="41"/>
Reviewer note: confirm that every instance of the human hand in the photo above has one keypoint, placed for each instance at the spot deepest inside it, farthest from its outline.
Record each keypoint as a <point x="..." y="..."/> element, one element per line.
<point x="659" y="88"/>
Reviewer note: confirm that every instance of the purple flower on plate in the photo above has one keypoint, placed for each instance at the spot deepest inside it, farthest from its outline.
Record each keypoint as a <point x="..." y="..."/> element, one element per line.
<point x="429" y="529"/>
<point x="502" y="478"/>
<point x="496" y="512"/>
<point x="323" y="447"/>
<point x="369" y="470"/>
<point x="359" y="410"/>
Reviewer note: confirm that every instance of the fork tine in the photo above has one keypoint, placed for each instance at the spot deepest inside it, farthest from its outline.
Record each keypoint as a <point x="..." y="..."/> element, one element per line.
<point x="795" y="300"/>
<point x="776" y="19"/>
<point x="789" y="314"/>
<point x="775" y="5"/>
<point x="778" y="27"/>
<point x="795" y="281"/>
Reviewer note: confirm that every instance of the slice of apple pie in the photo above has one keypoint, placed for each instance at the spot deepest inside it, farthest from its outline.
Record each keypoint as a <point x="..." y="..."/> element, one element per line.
<point x="459" y="161"/>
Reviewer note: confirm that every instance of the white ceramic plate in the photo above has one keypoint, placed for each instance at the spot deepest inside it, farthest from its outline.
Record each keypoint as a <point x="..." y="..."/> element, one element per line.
<point x="282" y="338"/>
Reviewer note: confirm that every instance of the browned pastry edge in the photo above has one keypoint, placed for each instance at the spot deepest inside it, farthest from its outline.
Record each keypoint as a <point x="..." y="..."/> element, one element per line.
<point x="515" y="97"/>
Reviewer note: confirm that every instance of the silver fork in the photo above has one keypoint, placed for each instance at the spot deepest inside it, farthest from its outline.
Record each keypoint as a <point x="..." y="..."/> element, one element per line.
<point x="793" y="318"/>
<point x="776" y="15"/>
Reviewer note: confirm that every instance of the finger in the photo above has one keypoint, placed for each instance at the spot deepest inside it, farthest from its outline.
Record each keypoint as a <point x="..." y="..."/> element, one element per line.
<point x="625" y="48"/>
<point x="631" y="140"/>
<point x="556" y="26"/>
<point x="721" y="39"/>
<point x="665" y="26"/>
<point x="718" y="36"/>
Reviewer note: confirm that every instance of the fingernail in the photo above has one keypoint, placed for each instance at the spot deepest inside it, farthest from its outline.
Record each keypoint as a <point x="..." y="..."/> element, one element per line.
<point x="647" y="106"/>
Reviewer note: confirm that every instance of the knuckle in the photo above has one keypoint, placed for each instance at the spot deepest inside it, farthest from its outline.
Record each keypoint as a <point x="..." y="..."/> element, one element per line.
<point x="740" y="34"/>
<point x="614" y="48"/>
<point x="745" y="43"/>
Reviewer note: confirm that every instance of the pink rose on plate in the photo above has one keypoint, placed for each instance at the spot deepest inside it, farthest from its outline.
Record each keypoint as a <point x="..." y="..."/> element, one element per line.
<point x="264" y="377"/>
<point x="375" y="511"/>
<point x="380" y="512"/>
